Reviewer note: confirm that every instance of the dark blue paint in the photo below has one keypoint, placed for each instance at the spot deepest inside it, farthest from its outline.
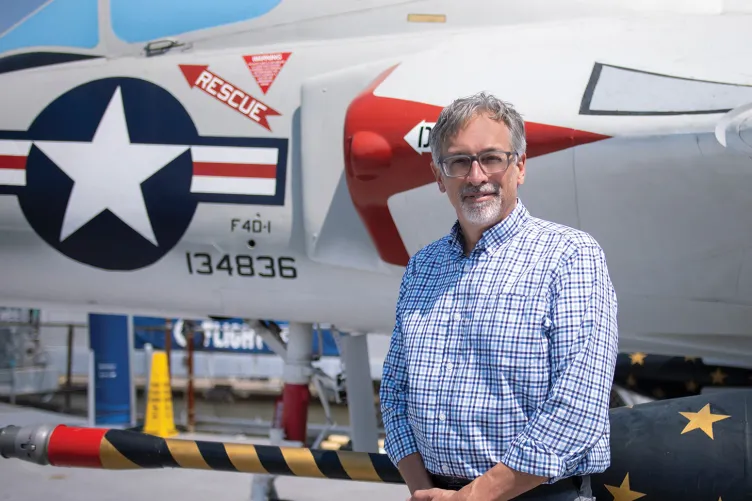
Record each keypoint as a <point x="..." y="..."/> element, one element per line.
<point x="27" y="60"/>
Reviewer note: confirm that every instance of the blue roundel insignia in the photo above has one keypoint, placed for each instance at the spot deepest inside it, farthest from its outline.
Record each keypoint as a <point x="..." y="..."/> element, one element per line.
<point x="111" y="172"/>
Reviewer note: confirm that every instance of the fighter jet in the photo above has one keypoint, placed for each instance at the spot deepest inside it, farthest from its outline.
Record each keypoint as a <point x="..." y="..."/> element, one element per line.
<point x="270" y="159"/>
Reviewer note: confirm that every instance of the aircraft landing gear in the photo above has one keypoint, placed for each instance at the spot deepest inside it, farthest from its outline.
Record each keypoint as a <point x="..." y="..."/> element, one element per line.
<point x="290" y="428"/>
<point x="360" y="394"/>
<point x="354" y="386"/>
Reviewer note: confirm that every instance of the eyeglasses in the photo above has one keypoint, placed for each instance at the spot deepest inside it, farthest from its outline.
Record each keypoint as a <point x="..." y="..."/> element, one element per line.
<point x="490" y="162"/>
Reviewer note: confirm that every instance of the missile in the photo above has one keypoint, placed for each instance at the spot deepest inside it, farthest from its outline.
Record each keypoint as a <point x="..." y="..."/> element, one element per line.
<point x="673" y="377"/>
<point x="691" y="448"/>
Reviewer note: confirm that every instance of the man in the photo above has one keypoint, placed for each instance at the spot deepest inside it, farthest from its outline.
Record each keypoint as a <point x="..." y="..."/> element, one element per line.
<point x="498" y="376"/>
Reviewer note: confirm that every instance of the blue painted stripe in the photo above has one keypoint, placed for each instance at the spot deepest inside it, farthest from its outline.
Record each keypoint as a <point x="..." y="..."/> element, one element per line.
<point x="145" y="20"/>
<point x="62" y="23"/>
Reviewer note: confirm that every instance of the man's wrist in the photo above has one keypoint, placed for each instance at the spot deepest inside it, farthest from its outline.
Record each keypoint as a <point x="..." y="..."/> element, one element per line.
<point x="414" y="472"/>
<point x="500" y="483"/>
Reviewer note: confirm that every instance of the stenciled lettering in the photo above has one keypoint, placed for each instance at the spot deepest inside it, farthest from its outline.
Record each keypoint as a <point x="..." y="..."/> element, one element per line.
<point x="266" y="57"/>
<point x="202" y="263"/>
<point x="256" y="225"/>
<point x="223" y="336"/>
<point x="225" y="92"/>
<point x="235" y="93"/>
<point x="421" y="142"/>
<point x="204" y="78"/>
<point x="212" y="86"/>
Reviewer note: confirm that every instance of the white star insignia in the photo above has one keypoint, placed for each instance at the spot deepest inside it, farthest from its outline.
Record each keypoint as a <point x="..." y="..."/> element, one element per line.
<point x="108" y="171"/>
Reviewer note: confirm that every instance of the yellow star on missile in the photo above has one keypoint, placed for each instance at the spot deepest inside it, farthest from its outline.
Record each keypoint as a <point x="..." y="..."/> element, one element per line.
<point x="638" y="358"/>
<point x="702" y="420"/>
<point x="624" y="492"/>
<point x="691" y="385"/>
<point x="718" y="376"/>
<point x="690" y="359"/>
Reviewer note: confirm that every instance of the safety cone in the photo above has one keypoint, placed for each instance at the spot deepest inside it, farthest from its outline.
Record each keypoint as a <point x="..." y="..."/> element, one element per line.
<point x="160" y="419"/>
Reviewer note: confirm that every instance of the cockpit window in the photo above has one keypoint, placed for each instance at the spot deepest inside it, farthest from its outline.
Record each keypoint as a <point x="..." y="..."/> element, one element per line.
<point x="48" y="23"/>
<point x="147" y="20"/>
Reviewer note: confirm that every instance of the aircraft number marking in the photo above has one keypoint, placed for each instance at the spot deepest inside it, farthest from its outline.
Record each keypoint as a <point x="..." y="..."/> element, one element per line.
<point x="251" y="225"/>
<point x="202" y="263"/>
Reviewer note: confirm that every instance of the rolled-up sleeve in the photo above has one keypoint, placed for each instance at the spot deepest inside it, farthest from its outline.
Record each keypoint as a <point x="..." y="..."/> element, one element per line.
<point x="399" y="441"/>
<point x="583" y="341"/>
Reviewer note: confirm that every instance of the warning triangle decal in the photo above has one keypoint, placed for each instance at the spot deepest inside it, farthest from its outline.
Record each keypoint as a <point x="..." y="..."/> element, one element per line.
<point x="266" y="67"/>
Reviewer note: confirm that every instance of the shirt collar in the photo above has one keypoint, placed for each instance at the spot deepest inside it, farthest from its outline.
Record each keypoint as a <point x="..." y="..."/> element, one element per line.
<point x="496" y="235"/>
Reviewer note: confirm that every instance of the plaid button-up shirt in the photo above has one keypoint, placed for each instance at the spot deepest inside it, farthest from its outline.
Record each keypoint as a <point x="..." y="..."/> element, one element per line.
<point x="506" y="355"/>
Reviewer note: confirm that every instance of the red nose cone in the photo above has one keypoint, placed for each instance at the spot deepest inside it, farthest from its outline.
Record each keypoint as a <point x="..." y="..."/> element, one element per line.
<point x="386" y="152"/>
<point x="370" y="153"/>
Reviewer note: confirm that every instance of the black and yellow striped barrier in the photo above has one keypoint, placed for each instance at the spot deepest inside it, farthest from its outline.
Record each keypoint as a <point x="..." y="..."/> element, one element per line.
<point x="126" y="450"/>
<point x="694" y="449"/>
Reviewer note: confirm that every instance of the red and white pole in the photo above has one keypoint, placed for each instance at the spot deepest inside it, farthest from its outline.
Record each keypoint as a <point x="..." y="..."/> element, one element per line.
<point x="297" y="378"/>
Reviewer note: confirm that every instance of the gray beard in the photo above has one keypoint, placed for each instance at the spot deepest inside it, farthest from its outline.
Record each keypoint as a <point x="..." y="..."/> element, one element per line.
<point x="482" y="213"/>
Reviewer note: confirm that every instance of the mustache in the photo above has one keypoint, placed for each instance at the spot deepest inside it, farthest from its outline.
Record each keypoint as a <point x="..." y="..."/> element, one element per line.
<point x="484" y="189"/>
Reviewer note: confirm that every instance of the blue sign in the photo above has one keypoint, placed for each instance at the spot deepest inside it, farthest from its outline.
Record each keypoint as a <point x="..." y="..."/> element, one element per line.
<point x="108" y="338"/>
<point x="233" y="336"/>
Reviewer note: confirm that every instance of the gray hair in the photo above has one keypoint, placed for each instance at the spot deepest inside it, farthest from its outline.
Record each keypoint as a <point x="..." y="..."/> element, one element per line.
<point x="459" y="112"/>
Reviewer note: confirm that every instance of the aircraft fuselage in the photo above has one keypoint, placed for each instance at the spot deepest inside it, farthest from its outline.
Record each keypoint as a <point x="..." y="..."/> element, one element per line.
<point x="193" y="183"/>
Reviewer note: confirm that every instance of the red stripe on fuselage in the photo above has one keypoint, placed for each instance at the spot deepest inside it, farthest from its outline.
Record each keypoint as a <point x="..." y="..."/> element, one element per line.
<point x="15" y="162"/>
<point x="234" y="170"/>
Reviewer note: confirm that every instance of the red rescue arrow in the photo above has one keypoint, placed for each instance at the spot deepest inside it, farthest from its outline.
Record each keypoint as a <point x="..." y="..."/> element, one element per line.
<point x="227" y="93"/>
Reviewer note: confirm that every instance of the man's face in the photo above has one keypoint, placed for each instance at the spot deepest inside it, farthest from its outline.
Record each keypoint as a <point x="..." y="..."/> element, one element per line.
<point x="482" y="200"/>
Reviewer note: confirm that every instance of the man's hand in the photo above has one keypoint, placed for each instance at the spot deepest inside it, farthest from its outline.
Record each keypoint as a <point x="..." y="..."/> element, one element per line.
<point x="434" y="494"/>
